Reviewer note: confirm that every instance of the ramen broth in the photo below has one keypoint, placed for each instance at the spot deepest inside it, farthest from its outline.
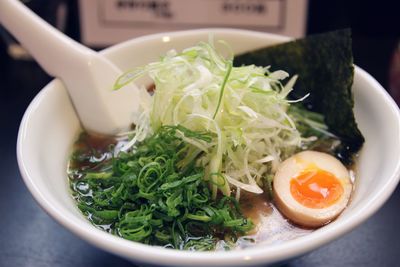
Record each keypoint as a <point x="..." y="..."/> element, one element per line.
<point x="90" y="151"/>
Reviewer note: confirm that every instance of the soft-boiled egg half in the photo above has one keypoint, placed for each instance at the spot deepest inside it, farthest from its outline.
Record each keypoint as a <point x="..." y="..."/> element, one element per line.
<point x="312" y="188"/>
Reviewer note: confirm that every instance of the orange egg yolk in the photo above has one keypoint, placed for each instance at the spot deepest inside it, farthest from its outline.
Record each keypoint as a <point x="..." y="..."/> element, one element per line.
<point x="316" y="188"/>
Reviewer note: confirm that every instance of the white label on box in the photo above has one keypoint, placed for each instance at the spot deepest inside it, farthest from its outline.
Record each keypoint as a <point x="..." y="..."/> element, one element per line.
<point x="105" y="22"/>
<point x="194" y="12"/>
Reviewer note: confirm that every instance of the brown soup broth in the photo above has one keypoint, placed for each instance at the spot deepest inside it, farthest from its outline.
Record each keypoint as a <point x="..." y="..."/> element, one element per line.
<point x="91" y="152"/>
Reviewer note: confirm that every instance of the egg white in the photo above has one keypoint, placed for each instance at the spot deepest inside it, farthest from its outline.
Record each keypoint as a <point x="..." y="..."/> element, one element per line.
<point x="291" y="168"/>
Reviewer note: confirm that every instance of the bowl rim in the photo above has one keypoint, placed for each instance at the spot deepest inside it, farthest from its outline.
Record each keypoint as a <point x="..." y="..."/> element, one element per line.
<point x="257" y="255"/>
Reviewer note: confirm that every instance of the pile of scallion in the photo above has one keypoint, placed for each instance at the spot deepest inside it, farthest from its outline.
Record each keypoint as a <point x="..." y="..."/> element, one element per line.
<point x="147" y="195"/>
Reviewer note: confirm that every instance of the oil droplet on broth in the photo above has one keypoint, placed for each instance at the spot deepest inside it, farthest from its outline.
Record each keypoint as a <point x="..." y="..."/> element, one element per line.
<point x="255" y="206"/>
<point x="271" y="226"/>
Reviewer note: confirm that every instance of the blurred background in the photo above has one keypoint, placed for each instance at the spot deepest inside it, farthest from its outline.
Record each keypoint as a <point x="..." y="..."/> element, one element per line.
<point x="28" y="237"/>
<point x="375" y="27"/>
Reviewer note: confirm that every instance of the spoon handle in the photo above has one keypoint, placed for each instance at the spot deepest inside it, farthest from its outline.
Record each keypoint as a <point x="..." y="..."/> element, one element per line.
<point x="45" y="43"/>
<point x="88" y="76"/>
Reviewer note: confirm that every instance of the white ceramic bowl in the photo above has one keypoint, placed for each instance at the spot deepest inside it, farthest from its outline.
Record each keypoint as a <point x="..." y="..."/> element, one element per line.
<point x="50" y="126"/>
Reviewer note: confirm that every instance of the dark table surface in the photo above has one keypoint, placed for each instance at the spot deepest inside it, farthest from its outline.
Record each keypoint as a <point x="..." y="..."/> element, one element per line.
<point x="29" y="237"/>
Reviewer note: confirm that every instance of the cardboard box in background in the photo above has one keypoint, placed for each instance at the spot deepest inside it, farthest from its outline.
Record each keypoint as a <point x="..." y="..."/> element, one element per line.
<point x="106" y="22"/>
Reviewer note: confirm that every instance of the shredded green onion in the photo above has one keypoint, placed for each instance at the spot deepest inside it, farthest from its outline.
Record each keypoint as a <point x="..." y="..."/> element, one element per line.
<point x="153" y="195"/>
<point x="245" y="109"/>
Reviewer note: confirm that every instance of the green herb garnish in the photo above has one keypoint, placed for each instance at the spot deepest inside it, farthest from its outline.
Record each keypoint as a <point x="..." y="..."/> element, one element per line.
<point x="154" y="196"/>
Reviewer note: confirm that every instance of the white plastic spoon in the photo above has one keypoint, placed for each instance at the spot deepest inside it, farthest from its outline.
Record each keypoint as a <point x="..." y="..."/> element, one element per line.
<point x="87" y="75"/>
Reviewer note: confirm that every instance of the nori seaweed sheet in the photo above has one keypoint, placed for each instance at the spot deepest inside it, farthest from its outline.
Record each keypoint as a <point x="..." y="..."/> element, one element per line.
<point x="324" y="63"/>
